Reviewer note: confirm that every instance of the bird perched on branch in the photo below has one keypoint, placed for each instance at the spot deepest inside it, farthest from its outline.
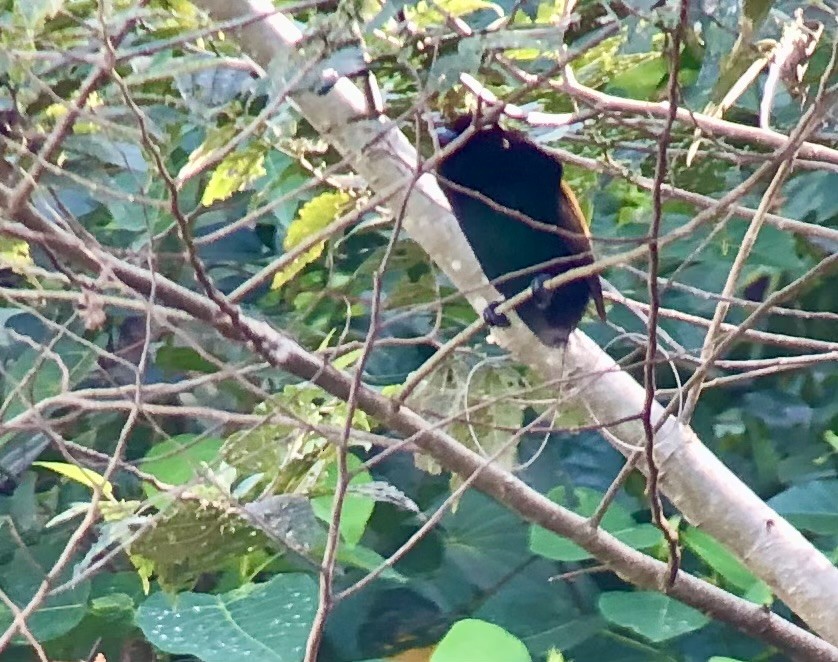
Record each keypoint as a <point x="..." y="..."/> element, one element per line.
<point x="523" y="224"/>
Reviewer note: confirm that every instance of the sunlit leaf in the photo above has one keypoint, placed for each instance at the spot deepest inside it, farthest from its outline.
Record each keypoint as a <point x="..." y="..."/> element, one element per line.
<point x="82" y="475"/>
<point x="314" y="216"/>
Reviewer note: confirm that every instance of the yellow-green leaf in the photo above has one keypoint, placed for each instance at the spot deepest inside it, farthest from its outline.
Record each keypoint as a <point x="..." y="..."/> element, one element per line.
<point x="14" y="254"/>
<point x="86" y="477"/>
<point x="555" y="655"/>
<point x="348" y="359"/>
<point x="235" y="173"/>
<point x="315" y="215"/>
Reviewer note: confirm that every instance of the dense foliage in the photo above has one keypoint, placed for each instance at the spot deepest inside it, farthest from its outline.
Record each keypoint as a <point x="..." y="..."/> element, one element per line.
<point x="175" y="490"/>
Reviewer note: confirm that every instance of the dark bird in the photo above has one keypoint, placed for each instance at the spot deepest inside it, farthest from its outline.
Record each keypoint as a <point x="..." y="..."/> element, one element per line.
<point x="523" y="224"/>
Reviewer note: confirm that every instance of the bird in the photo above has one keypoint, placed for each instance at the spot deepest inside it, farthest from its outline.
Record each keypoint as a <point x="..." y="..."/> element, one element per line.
<point x="523" y="223"/>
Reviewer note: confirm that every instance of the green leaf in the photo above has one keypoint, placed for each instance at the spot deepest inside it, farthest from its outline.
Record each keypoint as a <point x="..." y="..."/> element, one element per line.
<point x="114" y="607"/>
<point x="24" y="388"/>
<point x="714" y="554"/>
<point x="357" y="509"/>
<point x="759" y="593"/>
<point x="617" y="521"/>
<point x="366" y="559"/>
<point x="177" y="460"/>
<point x="36" y="374"/>
<point x="23" y="576"/>
<point x="810" y="506"/>
<point x="178" y="359"/>
<point x="483" y="539"/>
<point x="774" y="251"/>
<point x="267" y="622"/>
<point x="808" y="195"/>
<point x="471" y="640"/>
<point x="641" y="81"/>
<point x="650" y="614"/>
<point x="558" y="622"/>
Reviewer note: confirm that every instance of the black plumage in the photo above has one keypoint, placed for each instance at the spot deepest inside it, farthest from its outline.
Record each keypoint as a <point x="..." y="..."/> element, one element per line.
<point x="501" y="185"/>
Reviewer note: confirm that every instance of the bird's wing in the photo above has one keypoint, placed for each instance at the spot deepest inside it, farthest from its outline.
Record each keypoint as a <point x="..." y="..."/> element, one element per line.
<point x="580" y="240"/>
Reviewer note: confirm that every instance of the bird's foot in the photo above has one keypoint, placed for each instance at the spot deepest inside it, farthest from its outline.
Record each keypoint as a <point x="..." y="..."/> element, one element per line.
<point x="542" y="297"/>
<point x="493" y="318"/>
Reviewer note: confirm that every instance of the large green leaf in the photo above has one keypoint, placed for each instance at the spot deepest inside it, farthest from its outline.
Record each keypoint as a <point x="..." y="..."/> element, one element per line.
<point x="357" y="508"/>
<point x="267" y="622"/>
<point x="178" y="460"/>
<point x="471" y="640"/>
<point x="810" y="506"/>
<point x="653" y="615"/>
<point x="722" y="561"/>
<point x="22" y="577"/>
<point x="583" y="501"/>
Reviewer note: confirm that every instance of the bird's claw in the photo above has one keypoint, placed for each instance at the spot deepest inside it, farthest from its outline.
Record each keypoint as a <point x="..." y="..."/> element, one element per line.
<point x="542" y="297"/>
<point x="493" y="318"/>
